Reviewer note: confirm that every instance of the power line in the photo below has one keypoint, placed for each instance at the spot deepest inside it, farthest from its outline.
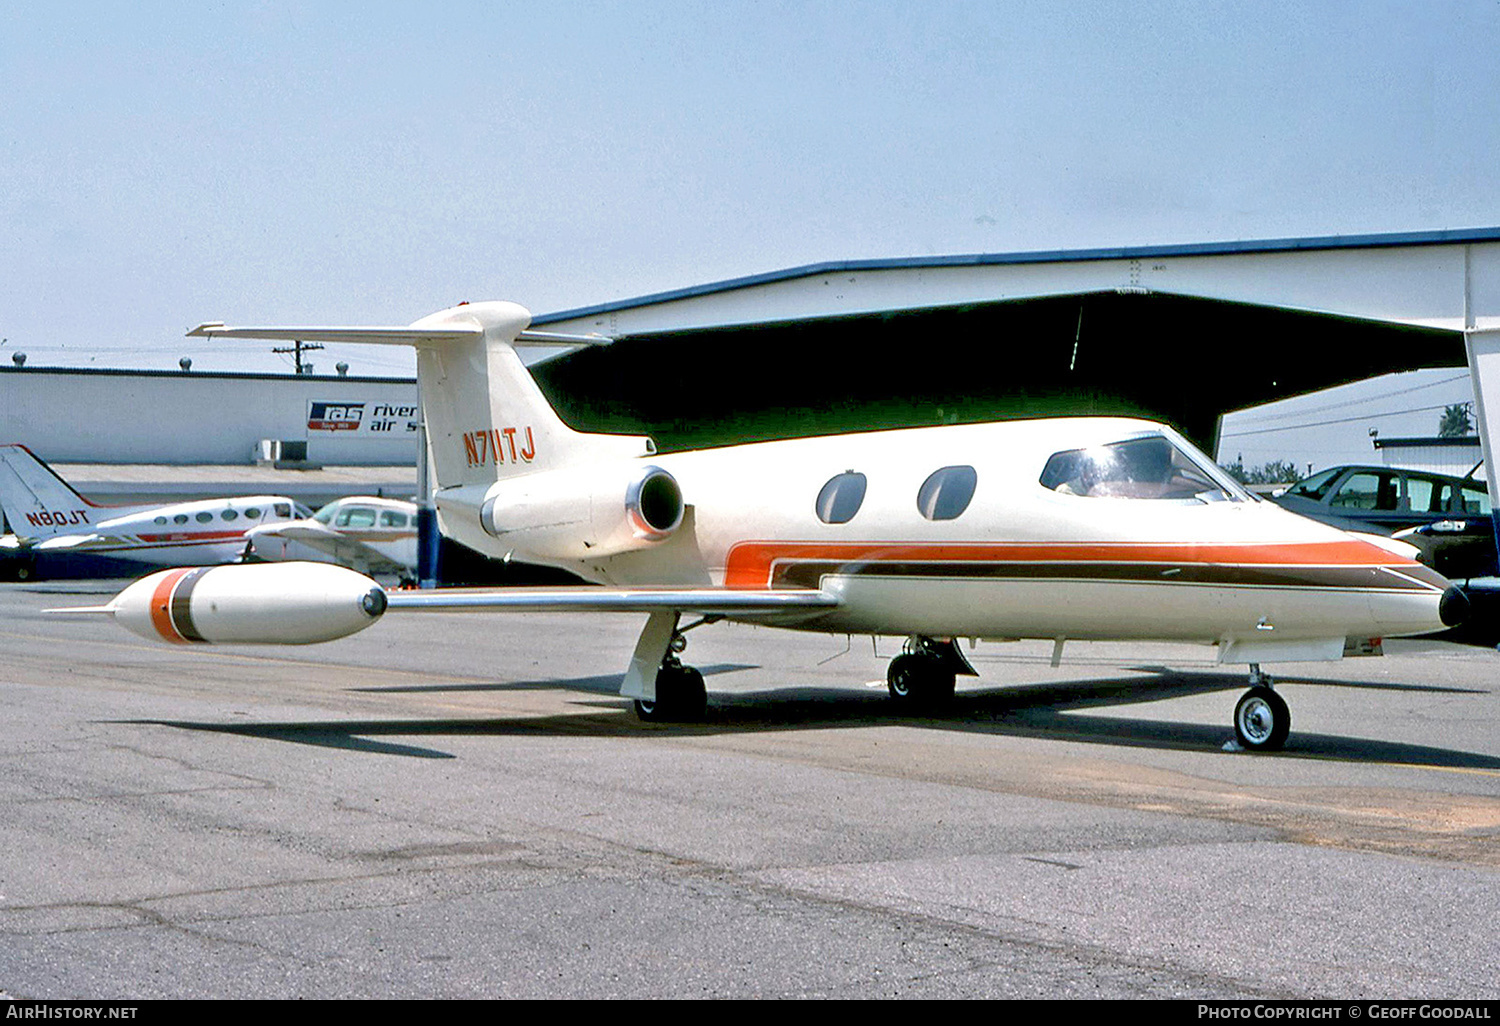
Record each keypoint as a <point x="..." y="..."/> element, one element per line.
<point x="1340" y="420"/>
<point x="1307" y="410"/>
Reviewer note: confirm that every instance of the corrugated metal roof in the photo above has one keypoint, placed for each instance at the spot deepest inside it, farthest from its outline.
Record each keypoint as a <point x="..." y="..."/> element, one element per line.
<point x="1306" y="244"/>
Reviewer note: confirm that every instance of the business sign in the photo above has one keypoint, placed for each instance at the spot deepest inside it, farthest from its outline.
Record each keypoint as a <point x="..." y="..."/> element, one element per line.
<point x="357" y="419"/>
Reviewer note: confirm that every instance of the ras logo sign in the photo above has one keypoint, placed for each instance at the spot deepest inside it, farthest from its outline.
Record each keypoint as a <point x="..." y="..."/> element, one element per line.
<point x="366" y="418"/>
<point x="335" y="416"/>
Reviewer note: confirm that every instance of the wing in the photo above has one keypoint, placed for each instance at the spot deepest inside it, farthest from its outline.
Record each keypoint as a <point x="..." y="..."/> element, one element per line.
<point x="301" y="603"/>
<point x="736" y="602"/>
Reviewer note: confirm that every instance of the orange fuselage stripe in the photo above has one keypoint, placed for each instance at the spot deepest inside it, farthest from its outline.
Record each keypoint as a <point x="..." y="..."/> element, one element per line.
<point x="750" y="564"/>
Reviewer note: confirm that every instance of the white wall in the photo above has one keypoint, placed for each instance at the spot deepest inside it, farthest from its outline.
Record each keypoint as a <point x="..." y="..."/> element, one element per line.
<point x="86" y="416"/>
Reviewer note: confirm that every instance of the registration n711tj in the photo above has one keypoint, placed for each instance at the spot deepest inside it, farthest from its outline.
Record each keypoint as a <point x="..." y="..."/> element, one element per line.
<point x="1075" y="528"/>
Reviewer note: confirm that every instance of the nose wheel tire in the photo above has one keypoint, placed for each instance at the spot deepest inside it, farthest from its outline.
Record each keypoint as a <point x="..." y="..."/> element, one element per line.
<point x="1261" y="720"/>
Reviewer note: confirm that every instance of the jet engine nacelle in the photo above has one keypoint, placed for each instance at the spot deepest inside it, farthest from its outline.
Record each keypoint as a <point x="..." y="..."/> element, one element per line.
<point x="584" y="512"/>
<point x="270" y="603"/>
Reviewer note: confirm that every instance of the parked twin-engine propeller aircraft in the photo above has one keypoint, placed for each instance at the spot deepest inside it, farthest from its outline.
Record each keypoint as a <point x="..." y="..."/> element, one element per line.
<point x="1086" y="528"/>
<point x="369" y="534"/>
<point x="49" y="519"/>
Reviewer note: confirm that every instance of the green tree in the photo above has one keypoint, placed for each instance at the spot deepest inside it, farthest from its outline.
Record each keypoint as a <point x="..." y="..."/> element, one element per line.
<point x="1274" y="472"/>
<point x="1456" y="421"/>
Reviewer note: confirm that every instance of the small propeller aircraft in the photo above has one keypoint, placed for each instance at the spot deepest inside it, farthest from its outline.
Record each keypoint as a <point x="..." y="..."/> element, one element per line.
<point x="366" y="533"/>
<point x="49" y="520"/>
<point x="1075" y="528"/>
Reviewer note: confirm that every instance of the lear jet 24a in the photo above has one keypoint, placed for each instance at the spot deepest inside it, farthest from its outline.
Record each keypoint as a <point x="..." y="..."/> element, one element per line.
<point x="1086" y="528"/>
<point x="369" y="534"/>
<point x="47" y="517"/>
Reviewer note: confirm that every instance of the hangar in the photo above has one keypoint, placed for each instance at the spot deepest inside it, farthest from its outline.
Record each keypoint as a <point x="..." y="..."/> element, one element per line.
<point x="1181" y="333"/>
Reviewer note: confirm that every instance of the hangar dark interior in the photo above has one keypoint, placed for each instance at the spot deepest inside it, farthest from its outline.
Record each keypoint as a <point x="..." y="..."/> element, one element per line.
<point x="1180" y="359"/>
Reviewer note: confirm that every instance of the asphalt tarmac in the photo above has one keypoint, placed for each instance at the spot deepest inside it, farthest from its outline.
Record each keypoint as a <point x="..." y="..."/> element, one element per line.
<point x="460" y="806"/>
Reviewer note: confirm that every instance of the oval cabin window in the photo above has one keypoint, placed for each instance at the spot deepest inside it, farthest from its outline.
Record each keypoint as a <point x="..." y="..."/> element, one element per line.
<point x="947" y="493"/>
<point x="841" y="498"/>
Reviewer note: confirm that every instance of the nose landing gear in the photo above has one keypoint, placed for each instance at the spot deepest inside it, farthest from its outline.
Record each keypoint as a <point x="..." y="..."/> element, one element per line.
<point x="1261" y="717"/>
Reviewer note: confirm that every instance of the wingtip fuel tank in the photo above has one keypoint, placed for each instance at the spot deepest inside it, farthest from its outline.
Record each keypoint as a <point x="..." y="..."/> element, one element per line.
<point x="272" y="603"/>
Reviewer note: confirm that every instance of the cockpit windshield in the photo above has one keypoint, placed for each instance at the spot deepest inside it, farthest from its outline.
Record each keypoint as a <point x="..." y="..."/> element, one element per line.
<point x="1146" y="467"/>
<point x="325" y="515"/>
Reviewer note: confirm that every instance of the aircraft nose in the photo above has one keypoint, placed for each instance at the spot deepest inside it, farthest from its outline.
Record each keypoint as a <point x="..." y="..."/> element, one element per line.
<point x="1453" y="607"/>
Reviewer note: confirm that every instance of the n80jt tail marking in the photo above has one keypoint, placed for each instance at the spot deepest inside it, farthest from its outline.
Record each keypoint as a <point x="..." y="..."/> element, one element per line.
<point x="1071" y="528"/>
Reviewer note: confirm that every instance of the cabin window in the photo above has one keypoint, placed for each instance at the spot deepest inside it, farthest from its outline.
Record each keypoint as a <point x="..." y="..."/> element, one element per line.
<point x="204" y="517"/>
<point x="180" y="518"/>
<point x="161" y="520"/>
<point x="1137" y="468"/>
<point x="253" y="513"/>
<point x="356" y="517"/>
<point x="229" y="514"/>
<point x="283" y="509"/>
<point x="390" y="518"/>
<point x="947" y="492"/>
<point x="841" y="497"/>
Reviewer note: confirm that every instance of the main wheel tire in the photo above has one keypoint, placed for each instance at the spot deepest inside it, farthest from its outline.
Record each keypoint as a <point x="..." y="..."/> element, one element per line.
<point x="680" y="697"/>
<point x="691" y="699"/>
<point x="918" y="684"/>
<point x="1261" y="720"/>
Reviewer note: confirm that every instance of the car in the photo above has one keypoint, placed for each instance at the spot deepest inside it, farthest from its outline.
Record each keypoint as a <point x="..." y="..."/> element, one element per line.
<point x="1384" y="500"/>
<point x="1446" y="518"/>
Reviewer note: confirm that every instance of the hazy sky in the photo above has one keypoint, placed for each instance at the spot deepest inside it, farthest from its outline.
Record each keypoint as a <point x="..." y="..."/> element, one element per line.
<point x="368" y="163"/>
<point x="1334" y="426"/>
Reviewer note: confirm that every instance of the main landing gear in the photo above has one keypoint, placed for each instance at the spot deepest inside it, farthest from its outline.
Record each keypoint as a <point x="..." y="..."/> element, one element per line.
<point x="1261" y="718"/>
<point x="680" y="694"/>
<point x="921" y="678"/>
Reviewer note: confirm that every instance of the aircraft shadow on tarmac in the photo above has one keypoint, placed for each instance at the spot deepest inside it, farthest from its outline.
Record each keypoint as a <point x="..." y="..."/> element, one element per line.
<point x="603" y="684"/>
<point x="1042" y="711"/>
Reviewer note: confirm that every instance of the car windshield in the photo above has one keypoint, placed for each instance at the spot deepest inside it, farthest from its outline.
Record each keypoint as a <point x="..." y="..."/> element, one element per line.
<point x="1148" y="467"/>
<point x="1315" y="487"/>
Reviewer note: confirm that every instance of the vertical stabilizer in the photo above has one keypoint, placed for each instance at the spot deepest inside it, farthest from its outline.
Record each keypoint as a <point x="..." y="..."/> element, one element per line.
<point x="38" y="503"/>
<point x="486" y="417"/>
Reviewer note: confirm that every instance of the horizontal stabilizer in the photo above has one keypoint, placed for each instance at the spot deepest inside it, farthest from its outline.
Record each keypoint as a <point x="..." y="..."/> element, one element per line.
<point x="390" y="336"/>
<point x="393" y="336"/>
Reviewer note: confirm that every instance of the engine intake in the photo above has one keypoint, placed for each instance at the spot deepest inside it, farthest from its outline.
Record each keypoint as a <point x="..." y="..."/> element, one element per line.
<point x="654" y="504"/>
<point x="584" y="512"/>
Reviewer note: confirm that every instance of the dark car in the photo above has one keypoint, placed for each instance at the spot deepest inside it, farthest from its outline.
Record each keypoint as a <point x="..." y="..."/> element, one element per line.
<point x="1385" y="500"/>
<point x="1446" y="518"/>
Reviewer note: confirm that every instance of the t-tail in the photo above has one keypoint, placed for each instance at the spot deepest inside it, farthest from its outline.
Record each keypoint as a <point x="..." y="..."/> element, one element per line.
<point x="487" y="421"/>
<point x="37" y="502"/>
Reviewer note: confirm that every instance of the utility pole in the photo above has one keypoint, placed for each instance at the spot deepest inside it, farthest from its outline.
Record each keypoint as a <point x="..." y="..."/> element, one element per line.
<point x="296" y="349"/>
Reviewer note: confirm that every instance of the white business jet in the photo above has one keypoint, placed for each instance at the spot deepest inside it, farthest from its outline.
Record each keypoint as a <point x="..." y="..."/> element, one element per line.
<point x="49" y="519"/>
<point x="1077" y="528"/>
